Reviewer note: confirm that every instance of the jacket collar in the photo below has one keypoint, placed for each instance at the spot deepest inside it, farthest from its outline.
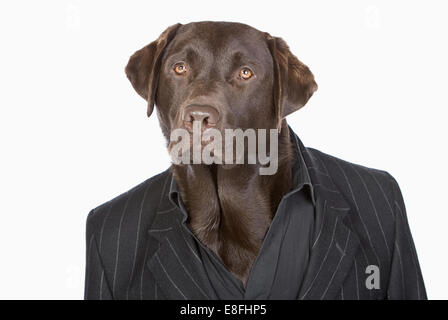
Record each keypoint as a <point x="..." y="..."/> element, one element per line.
<point x="178" y="269"/>
<point x="335" y="243"/>
<point x="173" y="259"/>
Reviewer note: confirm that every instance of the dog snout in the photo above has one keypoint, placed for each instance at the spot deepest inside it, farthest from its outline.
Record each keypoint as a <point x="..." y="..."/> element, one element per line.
<point x="207" y="115"/>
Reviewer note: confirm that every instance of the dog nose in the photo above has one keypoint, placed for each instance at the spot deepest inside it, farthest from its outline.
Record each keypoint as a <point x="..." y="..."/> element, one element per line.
<point x="207" y="115"/>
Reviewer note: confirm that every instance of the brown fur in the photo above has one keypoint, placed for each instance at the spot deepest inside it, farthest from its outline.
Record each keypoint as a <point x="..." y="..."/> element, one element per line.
<point x="230" y="207"/>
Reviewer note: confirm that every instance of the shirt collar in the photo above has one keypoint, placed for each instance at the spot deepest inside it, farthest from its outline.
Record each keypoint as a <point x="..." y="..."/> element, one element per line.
<point x="300" y="175"/>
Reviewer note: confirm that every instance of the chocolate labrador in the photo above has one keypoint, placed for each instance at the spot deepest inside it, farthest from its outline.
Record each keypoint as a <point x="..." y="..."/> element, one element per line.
<point x="227" y="76"/>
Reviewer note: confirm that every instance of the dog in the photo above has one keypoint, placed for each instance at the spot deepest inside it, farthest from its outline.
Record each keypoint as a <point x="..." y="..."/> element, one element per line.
<point x="226" y="76"/>
<point x="206" y="229"/>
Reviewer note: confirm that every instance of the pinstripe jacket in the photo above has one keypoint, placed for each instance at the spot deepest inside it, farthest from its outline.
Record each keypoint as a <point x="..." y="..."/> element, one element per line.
<point x="137" y="249"/>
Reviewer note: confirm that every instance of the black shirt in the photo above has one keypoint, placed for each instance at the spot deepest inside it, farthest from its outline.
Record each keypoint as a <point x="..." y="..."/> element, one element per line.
<point x="280" y="266"/>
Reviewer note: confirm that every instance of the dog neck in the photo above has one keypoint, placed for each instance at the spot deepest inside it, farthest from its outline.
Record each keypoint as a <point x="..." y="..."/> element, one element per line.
<point x="230" y="209"/>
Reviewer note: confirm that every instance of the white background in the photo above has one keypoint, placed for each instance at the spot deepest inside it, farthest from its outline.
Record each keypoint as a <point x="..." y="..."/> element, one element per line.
<point x="74" y="134"/>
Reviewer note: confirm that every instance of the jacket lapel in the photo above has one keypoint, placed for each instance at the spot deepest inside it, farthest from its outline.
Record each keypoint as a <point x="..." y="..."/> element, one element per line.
<point x="175" y="263"/>
<point x="335" y="244"/>
<point x="178" y="269"/>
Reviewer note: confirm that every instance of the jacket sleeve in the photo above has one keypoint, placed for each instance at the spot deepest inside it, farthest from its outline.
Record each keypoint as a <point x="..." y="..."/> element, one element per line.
<point x="96" y="284"/>
<point x="406" y="281"/>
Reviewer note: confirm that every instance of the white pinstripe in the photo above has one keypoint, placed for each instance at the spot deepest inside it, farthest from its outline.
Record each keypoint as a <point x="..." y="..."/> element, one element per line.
<point x="357" y="209"/>
<point x="340" y="209"/>
<point x="88" y="261"/>
<point x="374" y="210"/>
<point x="364" y="255"/>
<point x="318" y="171"/>
<point x="324" y="187"/>
<point x="323" y="261"/>
<point x="101" y="285"/>
<point x="382" y="191"/>
<point x="136" y="239"/>
<point x="169" y="278"/>
<point x="166" y="211"/>
<point x="337" y="267"/>
<point x="323" y="164"/>
<point x="189" y="246"/>
<point x="102" y="226"/>
<point x="414" y="255"/>
<point x="141" y="278"/>
<point x="183" y="266"/>
<point x="118" y="244"/>
<point x="403" y="287"/>
<point x="359" y="214"/>
<point x="160" y="230"/>
<point x="321" y="225"/>
<point x="356" y="279"/>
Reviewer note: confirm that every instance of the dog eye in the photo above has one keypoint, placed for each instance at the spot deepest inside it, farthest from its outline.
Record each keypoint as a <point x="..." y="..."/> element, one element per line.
<point x="246" y="74"/>
<point x="180" y="68"/>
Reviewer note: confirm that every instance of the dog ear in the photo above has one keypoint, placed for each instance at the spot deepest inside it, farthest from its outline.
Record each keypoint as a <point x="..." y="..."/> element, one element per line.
<point x="144" y="66"/>
<point x="293" y="81"/>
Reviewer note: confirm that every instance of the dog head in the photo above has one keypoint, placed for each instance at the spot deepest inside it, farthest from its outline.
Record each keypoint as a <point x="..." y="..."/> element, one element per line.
<point x="225" y="75"/>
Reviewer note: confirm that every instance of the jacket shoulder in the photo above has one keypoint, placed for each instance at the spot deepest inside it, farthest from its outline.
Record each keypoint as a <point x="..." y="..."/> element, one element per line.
<point x="368" y="189"/>
<point x="337" y="168"/>
<point x="138" y="203"/>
